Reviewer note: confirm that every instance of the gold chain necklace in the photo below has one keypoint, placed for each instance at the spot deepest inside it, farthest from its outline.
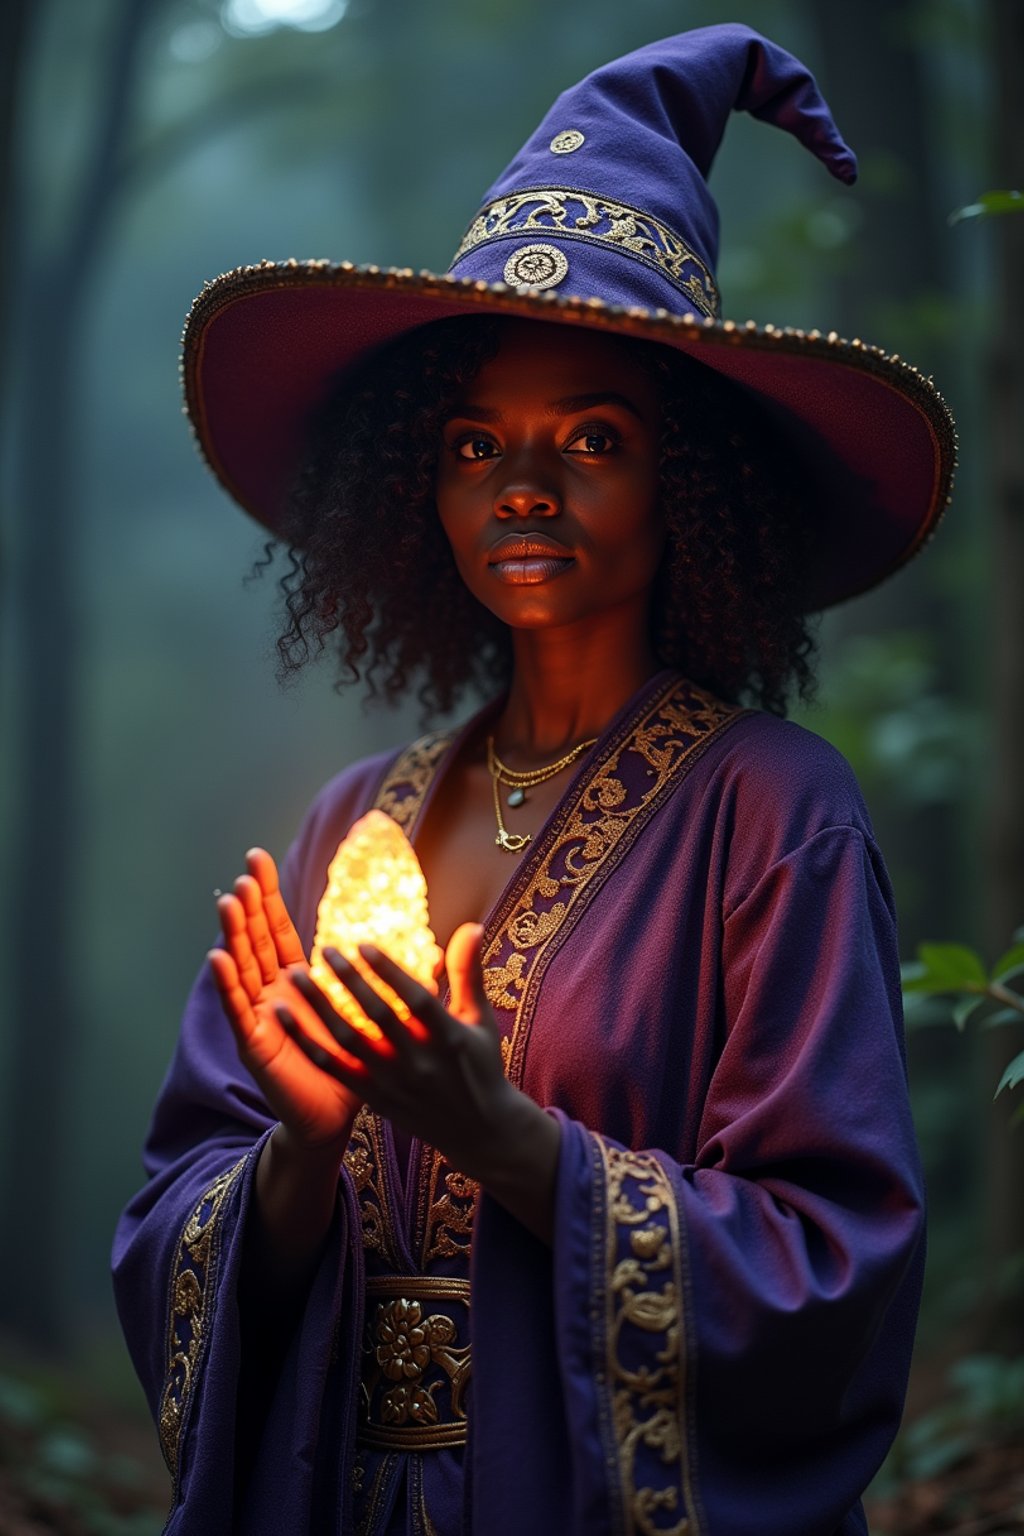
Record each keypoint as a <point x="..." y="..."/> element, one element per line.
<point x="518" y="783"/>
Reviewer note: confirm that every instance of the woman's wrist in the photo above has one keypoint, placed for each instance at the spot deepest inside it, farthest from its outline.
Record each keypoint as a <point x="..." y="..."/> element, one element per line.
<point x="305" y="1157"/>
<point x="518" y="1163"/>
<point x="296" y="1192"/>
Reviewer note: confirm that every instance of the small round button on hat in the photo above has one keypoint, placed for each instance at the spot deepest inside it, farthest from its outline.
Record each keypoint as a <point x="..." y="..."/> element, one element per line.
<point x="535" y="266"/>
<point x="564" y="143"/>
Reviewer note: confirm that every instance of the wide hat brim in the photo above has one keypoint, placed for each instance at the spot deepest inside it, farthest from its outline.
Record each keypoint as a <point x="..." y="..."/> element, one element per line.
<point x="873" y="438"/>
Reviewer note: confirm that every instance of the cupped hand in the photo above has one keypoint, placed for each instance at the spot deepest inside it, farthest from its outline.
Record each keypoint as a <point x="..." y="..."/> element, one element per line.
<point x="439" y="1076"/>
<point x="252" y="976"/>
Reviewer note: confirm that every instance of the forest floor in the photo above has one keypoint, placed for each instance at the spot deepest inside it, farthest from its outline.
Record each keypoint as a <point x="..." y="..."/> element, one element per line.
<point x="72" y="1467"/>
<point x="980" y="1495"/>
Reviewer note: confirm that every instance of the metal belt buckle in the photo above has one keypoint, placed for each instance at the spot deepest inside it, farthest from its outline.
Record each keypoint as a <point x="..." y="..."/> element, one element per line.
<point x="416" y="1363"/>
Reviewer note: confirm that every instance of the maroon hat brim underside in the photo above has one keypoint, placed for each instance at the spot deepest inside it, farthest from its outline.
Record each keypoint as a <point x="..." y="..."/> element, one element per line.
<point x="874" y="439"/>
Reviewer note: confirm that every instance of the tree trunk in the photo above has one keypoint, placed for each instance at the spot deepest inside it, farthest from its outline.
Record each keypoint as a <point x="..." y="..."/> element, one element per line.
<point x="1005" y="1203"/>
<point x="899" y="259"/>
<point x="44" y="1005"/>
<point x="13" y="24"/>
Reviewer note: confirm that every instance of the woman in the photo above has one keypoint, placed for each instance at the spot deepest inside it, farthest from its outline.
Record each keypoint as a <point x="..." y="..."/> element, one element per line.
<point x="656" y="1127"/>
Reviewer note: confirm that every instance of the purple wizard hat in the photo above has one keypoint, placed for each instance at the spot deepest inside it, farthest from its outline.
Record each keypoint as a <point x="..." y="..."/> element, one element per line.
<point x="603" y="219"/>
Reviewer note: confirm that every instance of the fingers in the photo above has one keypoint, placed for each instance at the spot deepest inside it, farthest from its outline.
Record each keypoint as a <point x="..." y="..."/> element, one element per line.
<point x="465" y="974"/>
<point x="421" y="1002"/>
<point x="307" y="1015"/>
<point x="234" y="924"/>
<point x="264" y="949"/>
<point x="394" y="1036"/>
<point x="282" y="930"/>
<point x="342" y="1067"/>
<point x="258" y="932"/>
<point x="233" y="995"/>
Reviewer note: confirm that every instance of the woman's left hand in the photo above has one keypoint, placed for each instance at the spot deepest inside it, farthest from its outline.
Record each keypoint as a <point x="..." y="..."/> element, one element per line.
<point x="444" y="1082"/>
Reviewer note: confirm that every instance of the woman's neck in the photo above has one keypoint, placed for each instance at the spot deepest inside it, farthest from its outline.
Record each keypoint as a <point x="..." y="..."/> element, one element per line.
<point x="566" y="686"/>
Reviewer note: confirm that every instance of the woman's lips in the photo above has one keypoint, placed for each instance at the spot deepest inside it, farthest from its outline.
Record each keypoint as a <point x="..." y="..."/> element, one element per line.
<point x="528" y="570"/>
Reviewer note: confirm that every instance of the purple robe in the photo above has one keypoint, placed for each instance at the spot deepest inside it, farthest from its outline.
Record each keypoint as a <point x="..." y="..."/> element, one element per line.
<point x="694" y="968"/>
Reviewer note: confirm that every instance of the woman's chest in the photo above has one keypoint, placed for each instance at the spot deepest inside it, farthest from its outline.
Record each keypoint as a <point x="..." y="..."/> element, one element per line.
<point x="466" y="868"/>
<point x="603" y="959"/>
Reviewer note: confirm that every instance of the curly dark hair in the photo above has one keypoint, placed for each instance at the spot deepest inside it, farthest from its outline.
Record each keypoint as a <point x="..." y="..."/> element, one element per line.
<point x="365" y="543"/>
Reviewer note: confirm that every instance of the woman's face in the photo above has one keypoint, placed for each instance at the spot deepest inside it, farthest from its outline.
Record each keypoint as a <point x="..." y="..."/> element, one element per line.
<point x="547" y="482"/>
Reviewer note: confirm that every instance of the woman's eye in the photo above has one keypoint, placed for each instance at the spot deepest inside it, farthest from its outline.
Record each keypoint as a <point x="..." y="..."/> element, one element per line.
<point x="593" y="441"/>
<point x="475" y="448"/>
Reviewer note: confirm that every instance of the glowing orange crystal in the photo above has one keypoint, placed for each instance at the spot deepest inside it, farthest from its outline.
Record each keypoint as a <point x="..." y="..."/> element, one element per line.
<point x="376" y="894"/>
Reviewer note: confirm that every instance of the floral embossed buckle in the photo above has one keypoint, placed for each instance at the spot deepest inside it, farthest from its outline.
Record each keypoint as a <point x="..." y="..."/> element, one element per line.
<point x="416" y="1362"/>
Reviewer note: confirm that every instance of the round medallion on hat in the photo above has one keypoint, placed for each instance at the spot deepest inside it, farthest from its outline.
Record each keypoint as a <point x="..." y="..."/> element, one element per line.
<point x="565" y="142"/>
<point x="535" y="266"/>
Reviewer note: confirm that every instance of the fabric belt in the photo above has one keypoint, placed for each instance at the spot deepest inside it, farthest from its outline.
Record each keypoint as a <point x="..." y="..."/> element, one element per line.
<point x="416" y="1363"/>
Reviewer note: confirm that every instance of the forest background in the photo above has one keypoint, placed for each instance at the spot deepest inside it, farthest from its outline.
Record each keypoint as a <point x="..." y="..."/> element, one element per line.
<point x="146" y="145"/>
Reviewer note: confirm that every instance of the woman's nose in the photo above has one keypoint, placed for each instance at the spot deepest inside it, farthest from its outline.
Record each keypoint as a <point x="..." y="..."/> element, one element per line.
<point x="525" y="500"/>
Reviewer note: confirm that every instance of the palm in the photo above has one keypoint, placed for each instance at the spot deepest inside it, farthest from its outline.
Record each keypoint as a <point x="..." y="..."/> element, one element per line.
<point x="316" y="1107"/>
<point x="260" y="943"/>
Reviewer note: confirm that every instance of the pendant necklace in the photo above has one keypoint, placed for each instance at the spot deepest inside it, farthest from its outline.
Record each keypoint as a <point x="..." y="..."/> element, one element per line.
<point x="517" y="784"/>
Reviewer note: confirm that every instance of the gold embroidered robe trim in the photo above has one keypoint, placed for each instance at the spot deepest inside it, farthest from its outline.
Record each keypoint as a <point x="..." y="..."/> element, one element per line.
<point x="617" y="794"/>
<point x="421" y="1522"/>
<point x="401" y="794"/>
<point x="367" y="1520"/>
<point x="643" y="1386"/>
<point x="193" y="1282"/>
<point x="405" y="784"/>
<point x="365" y="1161"/>
<point x="638" y="768"/>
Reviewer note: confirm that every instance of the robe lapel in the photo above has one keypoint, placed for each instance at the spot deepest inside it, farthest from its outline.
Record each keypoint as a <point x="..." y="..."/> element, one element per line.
<point x="639" y="762"/>
<point x="369" y="1157"/>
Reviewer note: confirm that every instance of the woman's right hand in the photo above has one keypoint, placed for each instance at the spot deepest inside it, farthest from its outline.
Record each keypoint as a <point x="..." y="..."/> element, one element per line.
<point x="260" y="942"/>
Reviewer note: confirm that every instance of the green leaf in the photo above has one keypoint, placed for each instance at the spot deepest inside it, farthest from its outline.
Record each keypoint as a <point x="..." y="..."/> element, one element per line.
<point x="989" y="203"/>
<point x="1004" y="1016"/>
<point x="964" y="1009"/>
<point x="950" y="968"/>
<point x="1013" y="1075"/>
<point x="1009" y="964"/>
<point x="914" y="977"/>
<point x="925" y="1011"/>
<point x="21" y="1403"/>
<point x="938" y="1458"/>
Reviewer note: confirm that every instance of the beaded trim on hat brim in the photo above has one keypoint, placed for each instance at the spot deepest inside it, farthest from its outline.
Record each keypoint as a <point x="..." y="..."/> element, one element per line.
<point x="715" y="342"/>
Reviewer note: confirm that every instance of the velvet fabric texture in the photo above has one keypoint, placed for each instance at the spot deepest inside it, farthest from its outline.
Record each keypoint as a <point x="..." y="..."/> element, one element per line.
<point x="717" y="1343"/>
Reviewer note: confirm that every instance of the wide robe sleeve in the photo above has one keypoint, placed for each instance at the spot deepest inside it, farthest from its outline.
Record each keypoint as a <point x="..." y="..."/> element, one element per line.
<point x="177" y="1254"/>
<point x="728" y="1336"/>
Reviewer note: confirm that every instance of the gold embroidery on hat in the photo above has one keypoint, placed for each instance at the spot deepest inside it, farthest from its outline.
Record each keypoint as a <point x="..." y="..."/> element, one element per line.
<point x="578" y="215"/>
<point x="535" y="266"/>
<point x="564" y="143"/>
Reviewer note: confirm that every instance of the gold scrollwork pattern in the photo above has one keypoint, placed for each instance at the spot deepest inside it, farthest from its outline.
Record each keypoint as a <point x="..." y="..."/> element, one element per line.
<point x="416" y="1362"/>
<point x="577" y="215"/>
<point x="364" y="1159"/>
<point x="404" y="788"/>
<point x="447" y="1207"/>
<point x="614" y="799"/>
<point x="644" y="1380"/>
<point x="193" y="1283"/>
<point x="401" y="795"/>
